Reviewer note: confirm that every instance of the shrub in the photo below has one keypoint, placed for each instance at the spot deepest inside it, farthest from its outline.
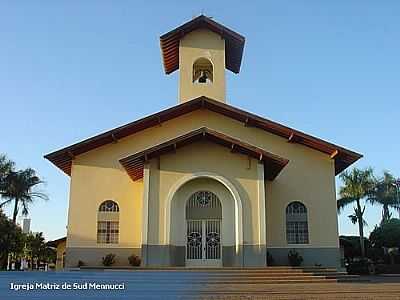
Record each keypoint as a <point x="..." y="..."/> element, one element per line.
<point x="295" y="259"/>
<point x="134" y="260"/>
<point x="80" y="263"/>
<point x="108" y="260"/>
<point x="376" y="254"/>
<point x="360" y="267"/>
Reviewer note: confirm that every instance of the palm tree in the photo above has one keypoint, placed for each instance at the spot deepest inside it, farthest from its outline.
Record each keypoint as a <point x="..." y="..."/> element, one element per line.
<point x="357" y="185"/>
<point x="19" y="186"/>
<point x="385" y="193"/>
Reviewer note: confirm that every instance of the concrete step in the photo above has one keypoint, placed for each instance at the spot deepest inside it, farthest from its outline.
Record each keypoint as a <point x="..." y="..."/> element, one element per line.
<point x="277" y="281"/>
<point x="219" y="270"/>
<point x="352" y="278"/>
<point x="236" y="277"/>
<point x="269" y="281"/>
<point x="190" y="278"/>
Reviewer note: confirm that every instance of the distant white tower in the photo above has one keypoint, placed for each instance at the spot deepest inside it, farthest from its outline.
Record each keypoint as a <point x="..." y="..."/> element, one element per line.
<point x="26" y="226"/>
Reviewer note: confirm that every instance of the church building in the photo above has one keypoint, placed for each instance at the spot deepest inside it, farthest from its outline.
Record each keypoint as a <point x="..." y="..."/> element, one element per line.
<point x="202" y="183"/>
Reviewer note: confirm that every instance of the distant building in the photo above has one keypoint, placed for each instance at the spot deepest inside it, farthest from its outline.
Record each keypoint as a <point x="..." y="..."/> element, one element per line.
<point x="203" y="183"/>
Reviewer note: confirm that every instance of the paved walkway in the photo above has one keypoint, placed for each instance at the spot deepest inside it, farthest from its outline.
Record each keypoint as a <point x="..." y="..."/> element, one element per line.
<point x="178" y="285"/>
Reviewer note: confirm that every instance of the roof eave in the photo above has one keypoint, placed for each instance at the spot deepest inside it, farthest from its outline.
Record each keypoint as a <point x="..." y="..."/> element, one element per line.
<point x="344" y="158"/>
<point x="134" y="163"/>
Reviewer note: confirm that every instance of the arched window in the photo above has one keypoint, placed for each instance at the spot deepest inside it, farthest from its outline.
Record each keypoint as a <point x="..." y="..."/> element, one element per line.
<point x="296" y="223"/>
<point x="203" y="71"/>
<point x="108" y="223"/>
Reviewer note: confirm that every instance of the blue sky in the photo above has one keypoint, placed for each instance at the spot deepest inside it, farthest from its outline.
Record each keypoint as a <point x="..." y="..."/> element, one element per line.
<point x="72" y="69"/>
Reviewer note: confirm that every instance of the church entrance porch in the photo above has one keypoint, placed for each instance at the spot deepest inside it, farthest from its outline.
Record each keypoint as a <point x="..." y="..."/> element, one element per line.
<point x="197" y="220"/>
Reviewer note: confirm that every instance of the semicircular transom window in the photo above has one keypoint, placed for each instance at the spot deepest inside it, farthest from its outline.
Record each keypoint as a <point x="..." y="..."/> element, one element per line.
<point x="203" y="71"/>
<point x="109" y="206"/>
<point x="203" y="205"/>
<point x="108" y="223"/>
<point x="296" y="223"/>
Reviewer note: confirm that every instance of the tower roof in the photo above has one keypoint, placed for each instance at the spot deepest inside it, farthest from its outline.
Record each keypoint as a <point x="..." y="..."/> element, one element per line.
<point x="234" y="43"/>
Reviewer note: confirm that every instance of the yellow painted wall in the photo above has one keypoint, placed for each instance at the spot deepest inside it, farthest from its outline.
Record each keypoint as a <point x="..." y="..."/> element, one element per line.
<point x="313" y="185"/>
<point x="194" y="45"/>
<point x="90" y="186"/>
<point x="97" y="176"/>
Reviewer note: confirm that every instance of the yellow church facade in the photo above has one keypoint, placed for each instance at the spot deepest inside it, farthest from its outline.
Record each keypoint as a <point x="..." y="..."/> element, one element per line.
<point x="202" y="183"/>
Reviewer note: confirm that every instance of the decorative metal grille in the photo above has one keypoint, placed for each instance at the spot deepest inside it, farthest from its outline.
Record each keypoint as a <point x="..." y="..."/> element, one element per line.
<point x="296" y="223"/>
<point x="213" y="239"/>
<point x="203" y="239"/>
<point x="194" y="235"/>
<point x="203" y="226"/>
<point x="204" y="199"/>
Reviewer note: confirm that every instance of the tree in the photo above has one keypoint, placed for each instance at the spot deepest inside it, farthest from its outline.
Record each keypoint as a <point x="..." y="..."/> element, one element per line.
<point x="11" y="239"/>
<point x="357" y="185"/>
<point x="19" y="186"/>
<point x="38" y="249"/>
<point x="387" y="234"/>
<point x="6" y="166"/>
<point x="385" y="193"/>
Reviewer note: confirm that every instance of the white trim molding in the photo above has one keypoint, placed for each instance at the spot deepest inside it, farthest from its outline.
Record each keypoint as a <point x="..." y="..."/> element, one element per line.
<point x="261" y="205"/>
<point x="145" y="207"/>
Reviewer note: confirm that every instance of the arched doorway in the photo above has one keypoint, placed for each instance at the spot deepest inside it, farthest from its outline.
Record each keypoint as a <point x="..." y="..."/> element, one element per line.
<point x="203" y="229"/>
<point x="231" y="230"/>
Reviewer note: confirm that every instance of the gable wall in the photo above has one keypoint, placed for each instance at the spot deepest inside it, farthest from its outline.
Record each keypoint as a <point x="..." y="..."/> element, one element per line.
<point x="97" y="176"/>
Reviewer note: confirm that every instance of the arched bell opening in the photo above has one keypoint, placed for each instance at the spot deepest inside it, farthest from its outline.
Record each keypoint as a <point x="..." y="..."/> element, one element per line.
<point x="203" y="71"/>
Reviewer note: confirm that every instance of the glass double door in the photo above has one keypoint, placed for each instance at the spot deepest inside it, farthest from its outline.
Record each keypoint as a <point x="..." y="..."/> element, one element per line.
<point x="203" y="243"/>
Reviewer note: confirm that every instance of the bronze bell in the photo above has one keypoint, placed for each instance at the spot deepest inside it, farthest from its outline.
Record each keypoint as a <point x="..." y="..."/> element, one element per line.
<point x="203" y="77"/>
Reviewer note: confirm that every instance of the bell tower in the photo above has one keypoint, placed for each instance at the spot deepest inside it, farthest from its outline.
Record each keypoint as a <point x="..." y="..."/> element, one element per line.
<point x="202" y="49"/>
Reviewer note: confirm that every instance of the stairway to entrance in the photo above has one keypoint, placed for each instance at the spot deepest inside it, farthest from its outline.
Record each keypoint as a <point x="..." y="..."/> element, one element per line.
<point x="267" y="275"/>
<point x="270" y="275"/>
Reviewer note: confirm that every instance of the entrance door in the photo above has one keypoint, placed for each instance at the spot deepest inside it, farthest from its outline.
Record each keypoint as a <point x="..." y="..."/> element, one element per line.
<point x="203" y="243"/>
